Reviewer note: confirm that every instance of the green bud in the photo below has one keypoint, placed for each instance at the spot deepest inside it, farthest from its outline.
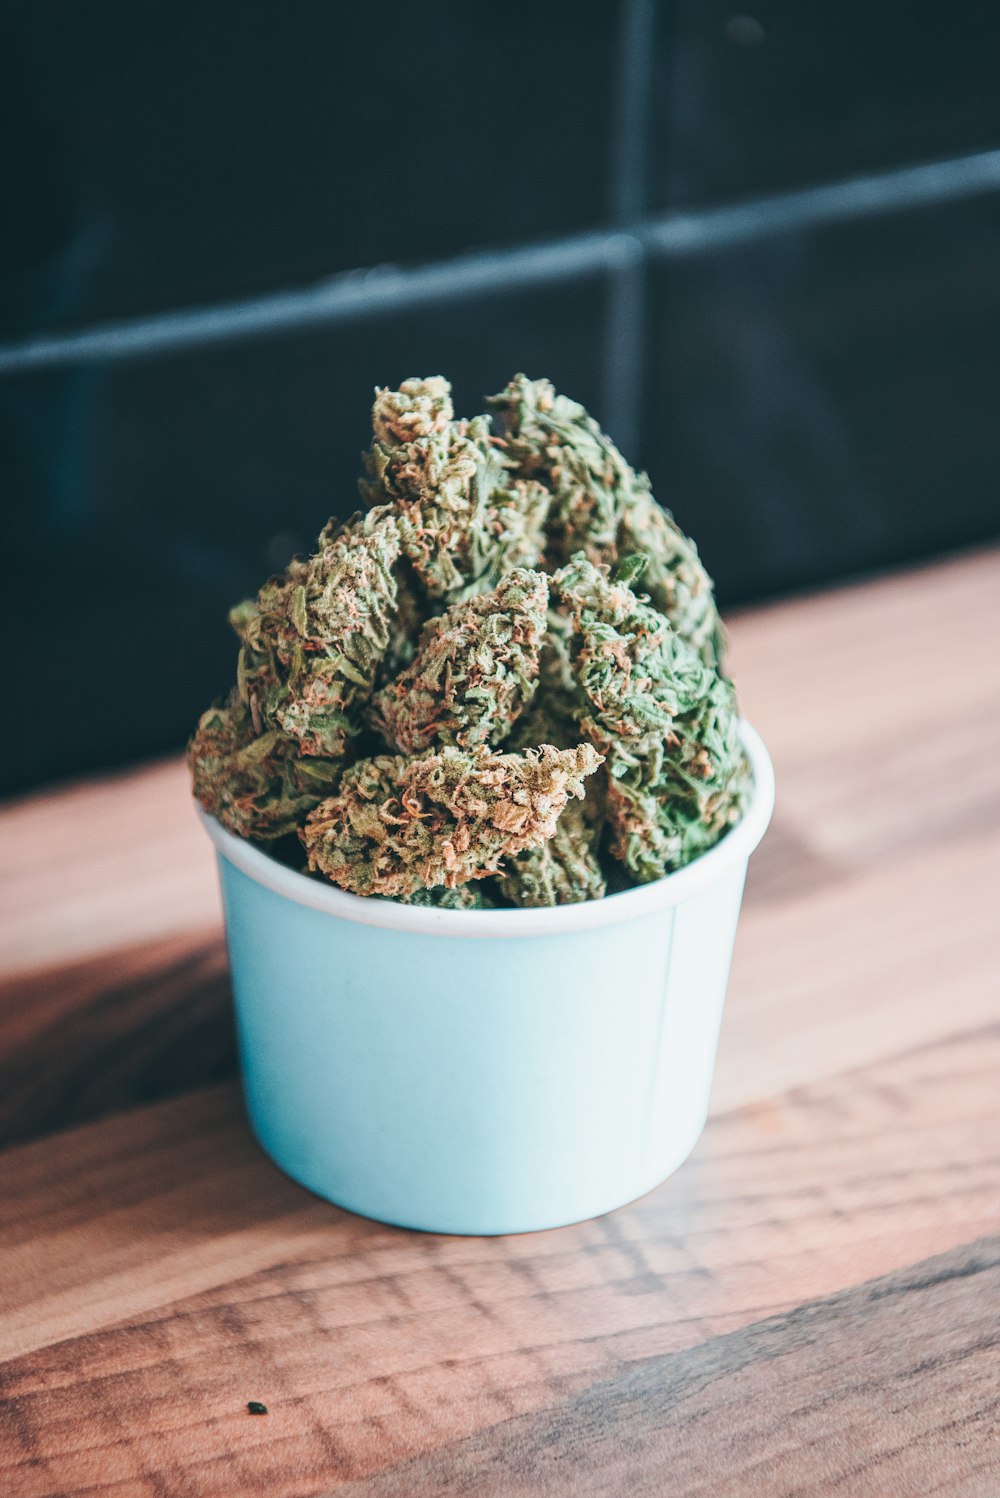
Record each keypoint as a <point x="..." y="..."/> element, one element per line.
<point x="475" y="670"/>
<point x="257" y="785"/>
<point x="464" y="520"/>
<point x="397" y="825"/>
<point x="630" y="569"/>
<point x="602" y="507"/>
<point x="419" y="408"/>
<point x="565" y="869"/>
<point x="411" y="614"/>
<point x="314" y="639"/>
<point x="462" y="897"/>
<point x="550" y="718"/>
<point x="666" y="722"/>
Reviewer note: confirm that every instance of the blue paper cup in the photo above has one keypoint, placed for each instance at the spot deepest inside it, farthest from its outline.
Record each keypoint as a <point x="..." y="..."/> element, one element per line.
<point x="484" y="1072"/>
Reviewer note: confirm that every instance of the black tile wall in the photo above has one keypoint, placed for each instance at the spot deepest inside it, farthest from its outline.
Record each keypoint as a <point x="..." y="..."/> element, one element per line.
<point x="782" y="93"/>
<point x="825" y="402"/>
<point x="186" y="152"/>
<point x="812" y="402"/>
<point x="154" y="495"/>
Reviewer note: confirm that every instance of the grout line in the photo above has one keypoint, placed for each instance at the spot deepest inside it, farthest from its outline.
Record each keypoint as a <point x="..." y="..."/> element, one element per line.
<point x="677" y="234"/>
<point x="632" y="104"/>
<point x="623" y="321"/>
<point x="344" y="297"/>
<point x="386" y="289"/>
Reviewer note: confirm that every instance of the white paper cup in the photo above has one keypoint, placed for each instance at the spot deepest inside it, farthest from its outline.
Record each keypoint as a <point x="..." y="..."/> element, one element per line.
<point x="491" y="1071"/>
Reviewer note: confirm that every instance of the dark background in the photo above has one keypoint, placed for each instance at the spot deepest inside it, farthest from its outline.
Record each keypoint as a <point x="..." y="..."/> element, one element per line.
<point x="763" y="246"/>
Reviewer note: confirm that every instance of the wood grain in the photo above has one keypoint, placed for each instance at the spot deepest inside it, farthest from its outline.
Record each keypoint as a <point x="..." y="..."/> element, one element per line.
<point x="174" y="1274"/>
<point x="129" y="1027"/>
<point x="721" y="1336"/>
<point x="107" y="864"/>
<point x="916" y="1410"/>
<point x="896" y="955"/>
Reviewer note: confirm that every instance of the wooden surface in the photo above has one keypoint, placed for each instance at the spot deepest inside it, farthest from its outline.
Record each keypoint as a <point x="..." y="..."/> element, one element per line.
<point x="811" y="1306"/>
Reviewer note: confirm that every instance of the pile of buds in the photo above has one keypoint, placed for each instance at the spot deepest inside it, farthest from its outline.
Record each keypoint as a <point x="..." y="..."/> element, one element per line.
<point x="502" y="684"/>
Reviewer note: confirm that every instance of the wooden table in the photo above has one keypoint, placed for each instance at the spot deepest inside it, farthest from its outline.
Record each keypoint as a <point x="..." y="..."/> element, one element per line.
<point x="810" y="1306"/>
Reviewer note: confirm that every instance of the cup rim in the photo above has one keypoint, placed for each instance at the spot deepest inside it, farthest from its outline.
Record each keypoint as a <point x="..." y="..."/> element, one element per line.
<point x="661" y="894"/>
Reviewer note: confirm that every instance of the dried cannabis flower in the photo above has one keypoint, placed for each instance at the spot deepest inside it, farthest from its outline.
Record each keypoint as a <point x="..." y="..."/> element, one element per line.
<point x="464" y="520"/>
<point x="564" y="869"/>
<point x="257" y="785"/>
<point x="411" y="699"/>
<point x="549" y="719"/>
<point x="602" y="507"/>
<point x="398" y="825"/>
<point x="475" y="669"/>
<point x="665" y="721"/>
<point x="314" y="639"/>
<point x="471" y="896"/>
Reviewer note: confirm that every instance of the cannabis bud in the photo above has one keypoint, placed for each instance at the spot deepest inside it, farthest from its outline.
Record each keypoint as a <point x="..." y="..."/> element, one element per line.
<point x="665" y="720"/>
<point x="602" y="507"/>
<point x="400" y="824"/>
<point x="464" y="518"/>
<point x="500" y="685"/>
<point x="565" y="868"/>
<point x="257" y="784"/>
<point x="314" y="638"/>
<point x="476" y="667"/>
